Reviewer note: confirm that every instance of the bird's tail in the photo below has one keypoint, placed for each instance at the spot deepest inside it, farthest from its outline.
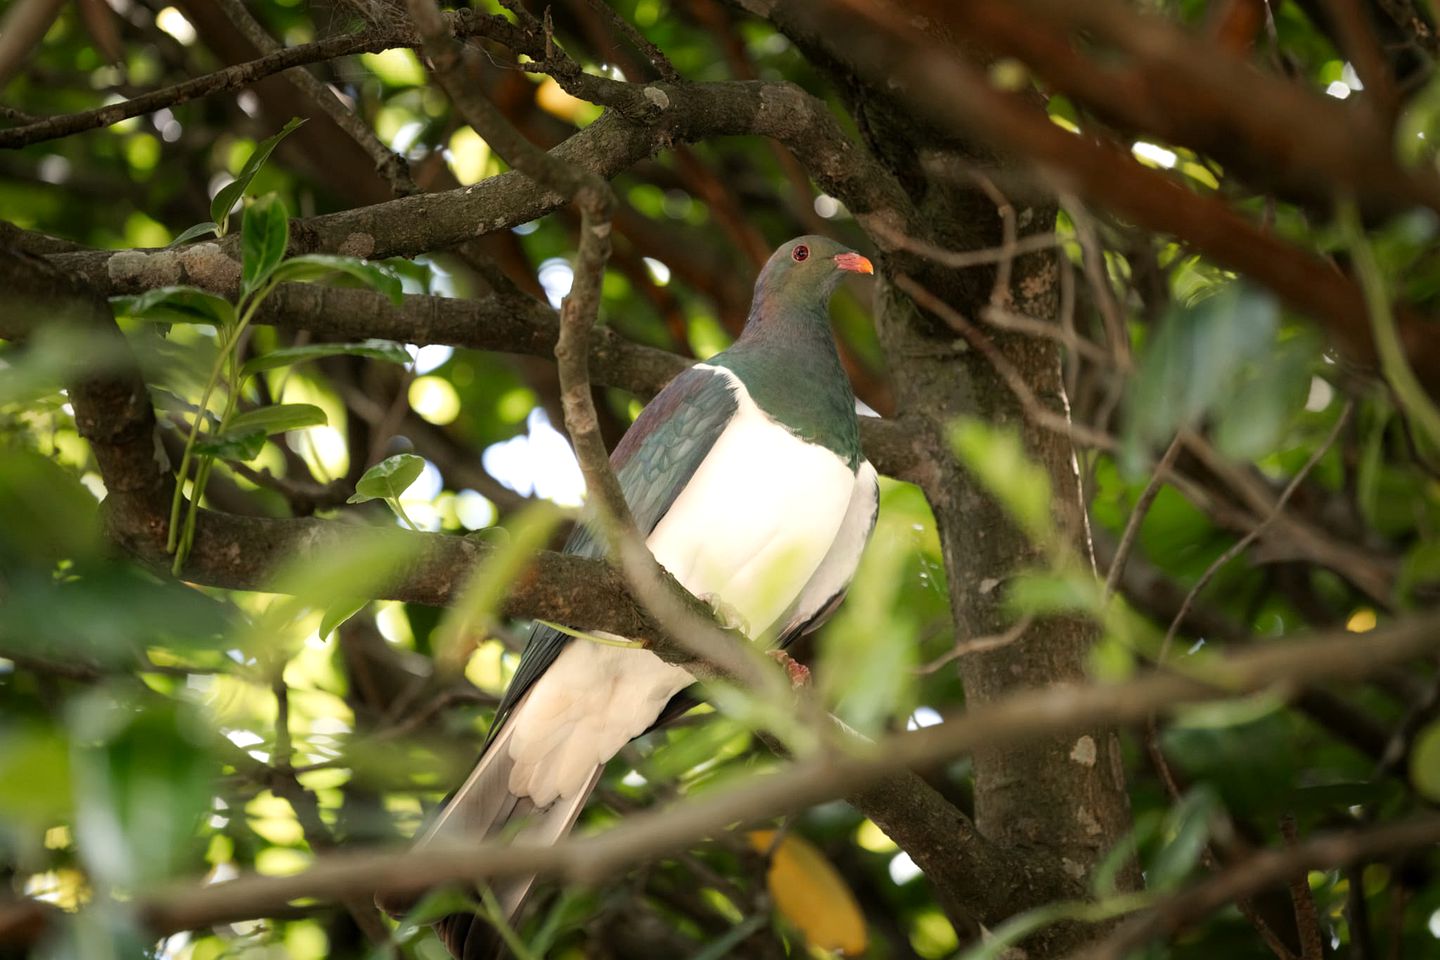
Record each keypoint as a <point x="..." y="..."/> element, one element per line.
<point x="484" y="807"/>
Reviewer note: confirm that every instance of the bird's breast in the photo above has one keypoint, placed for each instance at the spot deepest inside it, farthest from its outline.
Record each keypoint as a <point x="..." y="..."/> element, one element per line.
<point x="756" y="519"/>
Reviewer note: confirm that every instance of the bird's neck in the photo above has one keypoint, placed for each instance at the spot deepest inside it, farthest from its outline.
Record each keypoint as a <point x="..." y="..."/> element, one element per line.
<point x="791" y="369"/>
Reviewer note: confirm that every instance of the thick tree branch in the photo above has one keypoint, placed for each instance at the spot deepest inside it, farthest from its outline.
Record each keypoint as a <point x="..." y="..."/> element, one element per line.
<point x="1154" y="78"/>
<point x="505" y="323"/>
<point x="614" y="143"/>
<point x="1018" y="718"/>
<point x="230" y="78"/>
<point x="958" y="97"/>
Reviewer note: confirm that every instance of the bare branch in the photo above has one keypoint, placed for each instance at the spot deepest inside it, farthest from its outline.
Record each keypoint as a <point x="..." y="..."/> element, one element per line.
<point x="230" y="78"/>
<point x="1265" y="870"/>
<point x="1019" y="717"/>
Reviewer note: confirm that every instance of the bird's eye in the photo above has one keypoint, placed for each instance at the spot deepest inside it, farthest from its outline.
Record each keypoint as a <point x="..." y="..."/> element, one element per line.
<point x="800" y="253"/>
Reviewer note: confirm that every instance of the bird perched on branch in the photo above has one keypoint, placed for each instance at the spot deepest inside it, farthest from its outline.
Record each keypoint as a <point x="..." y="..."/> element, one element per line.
<point x="746" y="476"/>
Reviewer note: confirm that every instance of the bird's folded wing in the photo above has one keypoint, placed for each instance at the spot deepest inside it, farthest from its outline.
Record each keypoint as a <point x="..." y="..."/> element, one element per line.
<point x="653" y="462"/>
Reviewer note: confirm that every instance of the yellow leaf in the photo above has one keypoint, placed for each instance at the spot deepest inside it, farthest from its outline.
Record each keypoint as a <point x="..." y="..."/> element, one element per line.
<point x="810" y="894"/>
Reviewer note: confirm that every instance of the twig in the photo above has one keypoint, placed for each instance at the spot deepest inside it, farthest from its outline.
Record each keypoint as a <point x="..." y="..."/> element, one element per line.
<point x="1137" y="516"/>
<point x="1093" y="260"/>
<point x="1033" y="407"/>
<point x="1019" y="717"/>
<point x="1307" y="919"/>
<point x="654" y="54"/>
<point x="1264" y="870"/>
<point x="388" y="164"/>
<point x="960" y="259"/>
<point x="1239" y="546"/>
<point x="231" y="77"/>
<point x="979" y="645"/>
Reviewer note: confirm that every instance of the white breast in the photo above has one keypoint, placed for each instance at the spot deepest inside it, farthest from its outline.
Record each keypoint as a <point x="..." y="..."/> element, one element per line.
<point x="750" y="530"/>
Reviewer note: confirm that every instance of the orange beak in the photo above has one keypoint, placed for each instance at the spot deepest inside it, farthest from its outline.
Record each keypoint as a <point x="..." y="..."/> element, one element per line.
<point x="854" y="263"/>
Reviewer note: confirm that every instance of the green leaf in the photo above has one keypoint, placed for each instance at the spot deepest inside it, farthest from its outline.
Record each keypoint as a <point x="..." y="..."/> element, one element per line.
<point x="199" y="230"/>
<point x="244" y="437"/>
<point x="360" y="564"/>
<point x="388" y="479"/>
<point x="867" y="682"/>
<point x="1237" y="712"/>
<point x="262" y="242"/>
<point x="1188" y="829"/>
<point x="1425" y="762"/>
<point x="285" y="356"/>
<point x="1196" y="361"/>
<point x="232" y="446"/>
<point x="278" y="419"/>
<point x="997" y="457"/>
<point x="338" y="612"/>
<point x="316" y="266"/>
<point x="177" y="305"/>
<point x="487" y="586"/>
<point x="232" y="191"/>
<point x="143" y="786"/>
<point x="35" y="775"/>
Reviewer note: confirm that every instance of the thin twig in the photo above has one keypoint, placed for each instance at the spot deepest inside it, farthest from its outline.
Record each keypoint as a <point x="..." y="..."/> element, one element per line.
<point x="1034" y="409"/>
<point x="652" y="53"/>
<point x="1262" y="871"/>
<point x="1137" y="516"/>
<point x="979" y="645"/>
<point x="1239" y="546"/>
<point x="1307" y="918"/>
<point x="388" y="163"/>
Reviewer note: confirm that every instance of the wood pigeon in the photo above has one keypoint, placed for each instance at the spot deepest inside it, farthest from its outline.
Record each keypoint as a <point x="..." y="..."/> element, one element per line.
<point x="746" y="476"/>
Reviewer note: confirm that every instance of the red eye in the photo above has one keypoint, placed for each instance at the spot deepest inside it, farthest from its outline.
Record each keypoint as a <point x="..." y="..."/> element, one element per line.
<point x="801" y="252"/>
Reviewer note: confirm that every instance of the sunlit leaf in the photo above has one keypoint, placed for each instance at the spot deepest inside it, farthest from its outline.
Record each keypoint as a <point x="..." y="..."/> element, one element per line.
<point x="318" y="266"/>
<point x="1425" y="762"/>
<point x="265" y="234"/>
<point x="177" y="305"/>
<point x="208" y="228"/>
<point x="337" y="613"/>
<point x="389" y="478"/>
<point x="225" y="198"/>
<point x="811" y="894"/>
<point x="278" y="418"/>
<point x="285" y="356"/>
<point x="996" y="456"/>
<point x="480" y="600"/>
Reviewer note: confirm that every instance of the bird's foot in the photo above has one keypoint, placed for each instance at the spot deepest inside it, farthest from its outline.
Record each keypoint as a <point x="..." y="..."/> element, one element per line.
<point x="727" y="616"/>
<point x="798" y="672"/>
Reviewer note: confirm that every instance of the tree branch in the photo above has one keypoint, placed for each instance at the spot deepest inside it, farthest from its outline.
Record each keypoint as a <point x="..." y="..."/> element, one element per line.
<point x="958" y="97"/>
<point x="1017" y="718"/>
<point x="230" y="78"/>
<point x="677" y="113"/>
<point x="1263" y="871"/>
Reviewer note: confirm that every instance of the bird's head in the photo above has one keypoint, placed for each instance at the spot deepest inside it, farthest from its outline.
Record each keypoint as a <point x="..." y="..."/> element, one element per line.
<point x="807" y="270"/>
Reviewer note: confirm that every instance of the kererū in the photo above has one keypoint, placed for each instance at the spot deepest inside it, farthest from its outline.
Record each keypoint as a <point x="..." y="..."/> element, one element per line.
<point x="746" y="476"/>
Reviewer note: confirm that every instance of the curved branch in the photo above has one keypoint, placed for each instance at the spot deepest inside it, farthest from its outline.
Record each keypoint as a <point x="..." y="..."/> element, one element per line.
<point x="676" y="113"/>
<point x="231" y="78"/>
<point x="1020" y="717"/>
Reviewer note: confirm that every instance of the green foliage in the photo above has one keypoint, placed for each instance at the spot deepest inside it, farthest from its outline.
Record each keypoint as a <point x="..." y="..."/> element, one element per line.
<point x="227" y="195"/>
<point x="998" y="460"/>
<point x="140" y="732"/>
<point x="1205" y="360"/>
